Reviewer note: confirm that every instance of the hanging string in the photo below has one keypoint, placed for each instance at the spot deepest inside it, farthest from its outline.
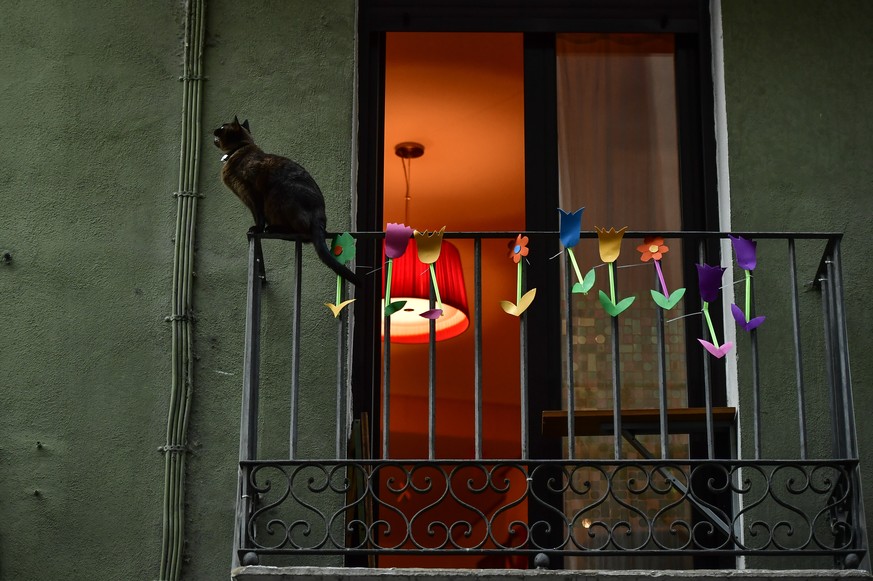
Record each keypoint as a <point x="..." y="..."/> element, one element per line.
<point x="407" y="175"/>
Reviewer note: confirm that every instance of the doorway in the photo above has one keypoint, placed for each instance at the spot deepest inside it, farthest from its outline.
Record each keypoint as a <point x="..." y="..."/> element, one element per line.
<point x="527" y="200"/>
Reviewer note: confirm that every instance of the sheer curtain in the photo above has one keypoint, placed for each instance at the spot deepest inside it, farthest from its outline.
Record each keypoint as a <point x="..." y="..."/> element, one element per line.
<point x="618" y="158"/>
<point x="617" y="129"/>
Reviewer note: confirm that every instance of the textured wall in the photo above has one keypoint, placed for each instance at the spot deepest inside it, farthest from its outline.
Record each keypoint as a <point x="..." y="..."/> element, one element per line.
<point x="91" y="104"/>
<point x="800" y="124"/>
<point x="288" y="67"/>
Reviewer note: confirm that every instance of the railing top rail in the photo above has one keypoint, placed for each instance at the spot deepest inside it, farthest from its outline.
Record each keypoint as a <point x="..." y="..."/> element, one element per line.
<point x="686" y="234"/>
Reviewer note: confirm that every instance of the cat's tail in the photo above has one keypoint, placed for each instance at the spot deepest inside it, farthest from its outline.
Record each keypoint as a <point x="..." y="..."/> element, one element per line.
<point x="320" y="243"/>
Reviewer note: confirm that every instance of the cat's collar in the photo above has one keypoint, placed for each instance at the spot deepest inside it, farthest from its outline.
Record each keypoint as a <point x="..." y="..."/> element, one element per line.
<point x="227" y="155"/>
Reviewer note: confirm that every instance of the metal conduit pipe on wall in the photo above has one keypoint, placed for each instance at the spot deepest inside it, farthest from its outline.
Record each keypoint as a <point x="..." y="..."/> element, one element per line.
<point x="173" y="532"/>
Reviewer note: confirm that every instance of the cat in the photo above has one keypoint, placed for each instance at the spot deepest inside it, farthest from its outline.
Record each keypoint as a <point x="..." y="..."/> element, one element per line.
<point x="280" y="194"/>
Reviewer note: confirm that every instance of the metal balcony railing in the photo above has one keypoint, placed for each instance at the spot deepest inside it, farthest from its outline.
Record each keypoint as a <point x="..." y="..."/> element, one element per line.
<point x="750" y="455"/>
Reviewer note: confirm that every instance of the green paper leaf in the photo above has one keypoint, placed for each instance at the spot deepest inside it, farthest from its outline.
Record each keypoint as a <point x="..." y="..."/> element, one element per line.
<point x="586" y="284"/>
<point x="623" y="305"/>
<point x="392" y="308"/>
<point x="613" y="309"/>
<point x="605" y="301"/>
<point x="668" y="303"/>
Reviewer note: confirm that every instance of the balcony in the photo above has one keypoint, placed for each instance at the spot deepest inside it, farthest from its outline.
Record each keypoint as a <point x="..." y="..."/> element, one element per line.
<point x="682" y="457"/>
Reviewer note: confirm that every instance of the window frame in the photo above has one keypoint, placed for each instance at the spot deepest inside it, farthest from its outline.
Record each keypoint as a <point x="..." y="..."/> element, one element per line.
<point x="540" y="21"/>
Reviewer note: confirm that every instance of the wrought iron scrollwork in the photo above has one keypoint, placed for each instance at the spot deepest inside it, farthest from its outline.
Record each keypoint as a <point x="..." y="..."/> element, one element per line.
<point x="605" y="507"/>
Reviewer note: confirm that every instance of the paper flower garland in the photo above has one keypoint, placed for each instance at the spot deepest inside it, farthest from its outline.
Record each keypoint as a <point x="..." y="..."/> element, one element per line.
<point x="429" y="245"/>
<point x="343" y="248"/>
<point x="746" y="251"/>
<point x="571" y="224"/>
<point x="610" y="248"/>
<point x="654" y="249"/>
<point x="396" y="240"/>
<point x="709" y="280"/>
<point x="517" y="250"/>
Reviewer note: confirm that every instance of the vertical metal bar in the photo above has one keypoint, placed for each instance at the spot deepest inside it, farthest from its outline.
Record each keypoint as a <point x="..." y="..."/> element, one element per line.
<point x="756" y="376"/>
<point x="662" y="384"/>
<point x="568" y="354"/>
<point x="522" y="330"/>
<point x="477" y="340"/>
<point x="616" y="384"/>
<point x="431" y="380"/>
<point x="843" y="353"/>
<point x="839" y="407"/>
<point x="707" y="374"/>
<point x="386" y="378"/>
<point x="295" y="349"/>
<point x="616" y="391"/>
<point x="836" y="405"/>
<point x="858" y="517"/>
<point x="248" y="430"/>
<point x="798" y="353"/>
<point x="341" y="346"/>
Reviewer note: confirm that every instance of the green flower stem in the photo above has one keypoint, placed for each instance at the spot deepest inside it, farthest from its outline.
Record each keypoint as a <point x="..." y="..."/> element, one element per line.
<point x="612" y="281"/>
<point x="748" y="296"/>
<point x="388" y="283"/>
<point x="575" y="264"/>
<point x="518" y="289"/>
<point x="709" y="323"/>
<point x="339" y="289"/>
<point x="436" y="289"/>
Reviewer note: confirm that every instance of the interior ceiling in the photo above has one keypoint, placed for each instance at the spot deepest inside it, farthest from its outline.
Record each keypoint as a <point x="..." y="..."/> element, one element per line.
<point x="462" y="97"/>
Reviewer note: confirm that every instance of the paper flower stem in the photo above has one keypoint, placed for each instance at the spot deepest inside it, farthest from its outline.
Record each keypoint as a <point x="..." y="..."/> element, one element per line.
<point x="388" y="283"/>
<point x="339" y="289"/>
<point x="748" y="296"/>
<point x="436" y="289"/>
<point x="518" y="285"/>
<point x="575" y="264"/>
<point x="661" y="278"/>
<point x="612" y="281"/>
<point x="709" y="324"/>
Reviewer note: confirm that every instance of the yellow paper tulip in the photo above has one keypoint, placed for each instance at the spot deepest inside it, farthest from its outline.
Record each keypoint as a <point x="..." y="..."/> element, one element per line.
<point x="429" y="245"/>
<point x="610" y="243"/>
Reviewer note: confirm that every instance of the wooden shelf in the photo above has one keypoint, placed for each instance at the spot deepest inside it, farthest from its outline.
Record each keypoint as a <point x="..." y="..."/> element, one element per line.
<point x="638" y="421"/>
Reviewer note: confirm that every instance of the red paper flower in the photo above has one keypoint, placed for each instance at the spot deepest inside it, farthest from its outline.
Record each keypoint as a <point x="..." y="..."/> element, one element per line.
<point x="652" y="248"/>
<point x="518" y="248"/>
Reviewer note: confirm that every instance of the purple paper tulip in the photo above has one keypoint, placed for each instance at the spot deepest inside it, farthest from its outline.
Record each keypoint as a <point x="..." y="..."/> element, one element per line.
<point x="571" y="224"/>
<point x="746" y="252"/>
<point x="709" y="279"/>
<point x="396" y="239"/>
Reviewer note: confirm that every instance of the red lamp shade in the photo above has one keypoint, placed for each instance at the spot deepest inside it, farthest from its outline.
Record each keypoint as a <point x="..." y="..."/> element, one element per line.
<point x="410" y="282"/>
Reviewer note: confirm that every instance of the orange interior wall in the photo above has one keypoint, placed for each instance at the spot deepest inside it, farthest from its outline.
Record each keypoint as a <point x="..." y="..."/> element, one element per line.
<point x="461" y="95"/>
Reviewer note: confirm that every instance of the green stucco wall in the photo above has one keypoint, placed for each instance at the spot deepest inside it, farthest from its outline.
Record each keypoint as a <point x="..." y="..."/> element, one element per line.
<point x="91" y="107"/>
<point x="798" y="80"/>
<point x="90" y="103"/>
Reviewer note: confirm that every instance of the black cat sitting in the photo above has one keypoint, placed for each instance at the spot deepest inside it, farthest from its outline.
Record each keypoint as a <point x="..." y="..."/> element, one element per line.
<point x="280" y="194"/>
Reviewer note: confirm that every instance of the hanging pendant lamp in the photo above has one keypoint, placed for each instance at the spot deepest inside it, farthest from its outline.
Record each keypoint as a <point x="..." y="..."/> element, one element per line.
<point x="411" y="281"/>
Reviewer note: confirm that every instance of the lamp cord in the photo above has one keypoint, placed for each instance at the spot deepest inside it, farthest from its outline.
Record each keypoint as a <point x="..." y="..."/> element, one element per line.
<point x="407" y="173"/>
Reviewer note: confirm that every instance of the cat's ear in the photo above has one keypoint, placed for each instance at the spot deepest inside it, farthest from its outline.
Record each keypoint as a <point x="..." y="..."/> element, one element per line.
<point x="246" y="125"/>
<point x="235" y="120"/>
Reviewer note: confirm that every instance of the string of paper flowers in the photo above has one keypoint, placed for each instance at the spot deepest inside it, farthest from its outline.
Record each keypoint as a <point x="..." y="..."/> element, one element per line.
<point x="652" y="249"/>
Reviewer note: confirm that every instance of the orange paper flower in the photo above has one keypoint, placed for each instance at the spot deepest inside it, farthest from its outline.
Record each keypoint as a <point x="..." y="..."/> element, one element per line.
<point x="652" y="248"/>
<point x="610" y="243"/>
<point x="519" y="248"/>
